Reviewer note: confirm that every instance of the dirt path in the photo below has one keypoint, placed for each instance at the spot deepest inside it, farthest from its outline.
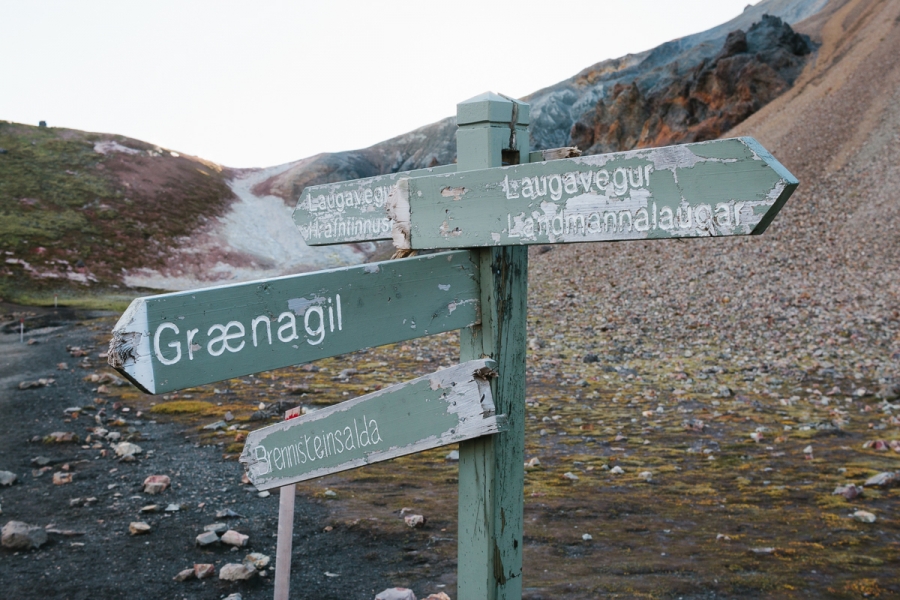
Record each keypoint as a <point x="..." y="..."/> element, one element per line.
<point x="101" y="559"/>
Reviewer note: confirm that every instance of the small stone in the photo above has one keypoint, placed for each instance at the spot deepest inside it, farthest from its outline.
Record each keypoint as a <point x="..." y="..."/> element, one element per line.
<point x="127" y="449"/>
<point x="204" y="570"/>
<point x="227" y="513"/>
<point x="763" y="550"/>
<point x="173" y="508"/>
<point x="257" y="560"/>
<point x="570" y="476"/>
<point x="848" y="491"/>
<point x="880" y="445"/>
<point x="228" y="416"/>
<point x="330" y="494"/>
<point x="533" y="463"/>
<point x="264" y="494"/>
<point x="216" y="528"/>
<point x="236" y="572"/>
<point x="17" y="535"/>
<point x="60" y="437"/>
<point x="590" y="358"/>
<point x="414" y="521"/>
<point x="645" y="475"/>
<point x="206" y="538"/>
<point x="150" y="508"/>
<point x="396" y="594"/>
<point x="7" y="478"/>
<point x="453" y="456"/>
<point x="60" y="478"/>
<point x="156" y="484"/>
<point x="40" y="461"/>
<point x="864" y="516"/>
<point x="438" y="596"/>
<point x="890" y="391"/>
<point x="234" y="596"/>
<point x="184" y="575"/>
<point x="617" y="470"/>
<point x="886" y="479"/>
<point x="215" y="426"/>
<point x="587" y="537"/>
<point x="27" y="385"/>
<point x="139" y="528"/>
<point x="233" y="538"/>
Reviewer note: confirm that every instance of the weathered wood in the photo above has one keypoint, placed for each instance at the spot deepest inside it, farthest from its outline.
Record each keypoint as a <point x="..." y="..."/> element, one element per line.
<point x="443" y="408"/>
<point x="174" y="341"/>
<point x="723" y="187"/>
<point x="553" y="154"/>
<point x="355" y="211"/>
<point x="350" y="211"/>
<point x="284" y="540"/>
<point x="491" y="474"/>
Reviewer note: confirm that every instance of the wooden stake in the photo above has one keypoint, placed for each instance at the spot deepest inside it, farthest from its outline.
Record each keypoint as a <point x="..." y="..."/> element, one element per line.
<point x="284" y="542"/>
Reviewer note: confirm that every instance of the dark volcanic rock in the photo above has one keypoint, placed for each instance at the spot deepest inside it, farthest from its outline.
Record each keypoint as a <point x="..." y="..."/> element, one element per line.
<point x="750" y="70"/>
<point x="689" y="89"/>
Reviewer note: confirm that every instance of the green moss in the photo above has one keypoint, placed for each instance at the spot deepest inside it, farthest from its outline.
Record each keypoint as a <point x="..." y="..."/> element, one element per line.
<point x="182" y="407"/>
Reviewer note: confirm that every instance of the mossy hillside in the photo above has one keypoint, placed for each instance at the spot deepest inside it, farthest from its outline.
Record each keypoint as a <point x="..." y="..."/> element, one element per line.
<point x="72" y="218"/>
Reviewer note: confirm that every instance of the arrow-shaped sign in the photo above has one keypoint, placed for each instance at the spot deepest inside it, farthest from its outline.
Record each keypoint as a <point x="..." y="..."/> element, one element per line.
<point x="351" y="211"/>
<point x="723" y="187"/>
<point x="355" y="210"/>
<point x="446" y="407"/>
<point x="173" y="341"/>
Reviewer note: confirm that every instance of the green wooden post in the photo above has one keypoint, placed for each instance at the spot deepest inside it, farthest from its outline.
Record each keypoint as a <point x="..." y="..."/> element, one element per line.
<point x="493" y="131"/>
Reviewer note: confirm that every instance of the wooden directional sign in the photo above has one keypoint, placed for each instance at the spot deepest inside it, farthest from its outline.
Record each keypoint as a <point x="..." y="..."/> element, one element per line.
<point x="179" y="340"/>
<point x="435" y="410"/>
<point x="723" y="187"/>
<point x="351" y="211"/>
<point x="355" y="211"/>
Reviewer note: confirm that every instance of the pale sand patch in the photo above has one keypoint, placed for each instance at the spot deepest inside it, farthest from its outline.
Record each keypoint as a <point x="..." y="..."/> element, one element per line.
<point x="255" y="239"/>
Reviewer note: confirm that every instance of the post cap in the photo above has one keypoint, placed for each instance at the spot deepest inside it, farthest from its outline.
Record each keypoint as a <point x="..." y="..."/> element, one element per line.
<point x="492" y="108"/>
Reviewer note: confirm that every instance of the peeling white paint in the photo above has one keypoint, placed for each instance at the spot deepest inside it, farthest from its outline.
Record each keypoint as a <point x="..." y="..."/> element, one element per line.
<point x="398" y="211"/>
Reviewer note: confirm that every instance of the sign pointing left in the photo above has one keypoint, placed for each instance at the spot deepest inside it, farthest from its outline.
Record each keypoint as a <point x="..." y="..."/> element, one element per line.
<point x="174" y="341"/>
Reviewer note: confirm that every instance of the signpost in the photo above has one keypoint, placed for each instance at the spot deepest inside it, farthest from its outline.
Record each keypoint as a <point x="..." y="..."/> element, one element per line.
<point x="351" y="211"/>
<point x="175" y="341"/>
<point x="723" y="187"/>
<point x="497" y="199"/>
<point x="446" y="407"/>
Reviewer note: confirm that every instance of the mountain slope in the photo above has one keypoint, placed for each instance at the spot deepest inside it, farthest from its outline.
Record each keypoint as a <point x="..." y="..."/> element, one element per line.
<point x="101" y="211"/>
<point x="556" y="109"/>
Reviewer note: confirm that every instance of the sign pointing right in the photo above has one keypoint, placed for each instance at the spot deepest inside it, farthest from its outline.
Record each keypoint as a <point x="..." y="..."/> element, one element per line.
<point x="723" y="187"/>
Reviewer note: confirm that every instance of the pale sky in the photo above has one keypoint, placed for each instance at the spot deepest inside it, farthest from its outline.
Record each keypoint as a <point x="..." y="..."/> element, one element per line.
<point x="254" y="84"/>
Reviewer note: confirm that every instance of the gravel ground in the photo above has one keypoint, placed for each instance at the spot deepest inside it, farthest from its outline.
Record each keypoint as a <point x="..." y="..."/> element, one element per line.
<point x="90" y="553"/>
